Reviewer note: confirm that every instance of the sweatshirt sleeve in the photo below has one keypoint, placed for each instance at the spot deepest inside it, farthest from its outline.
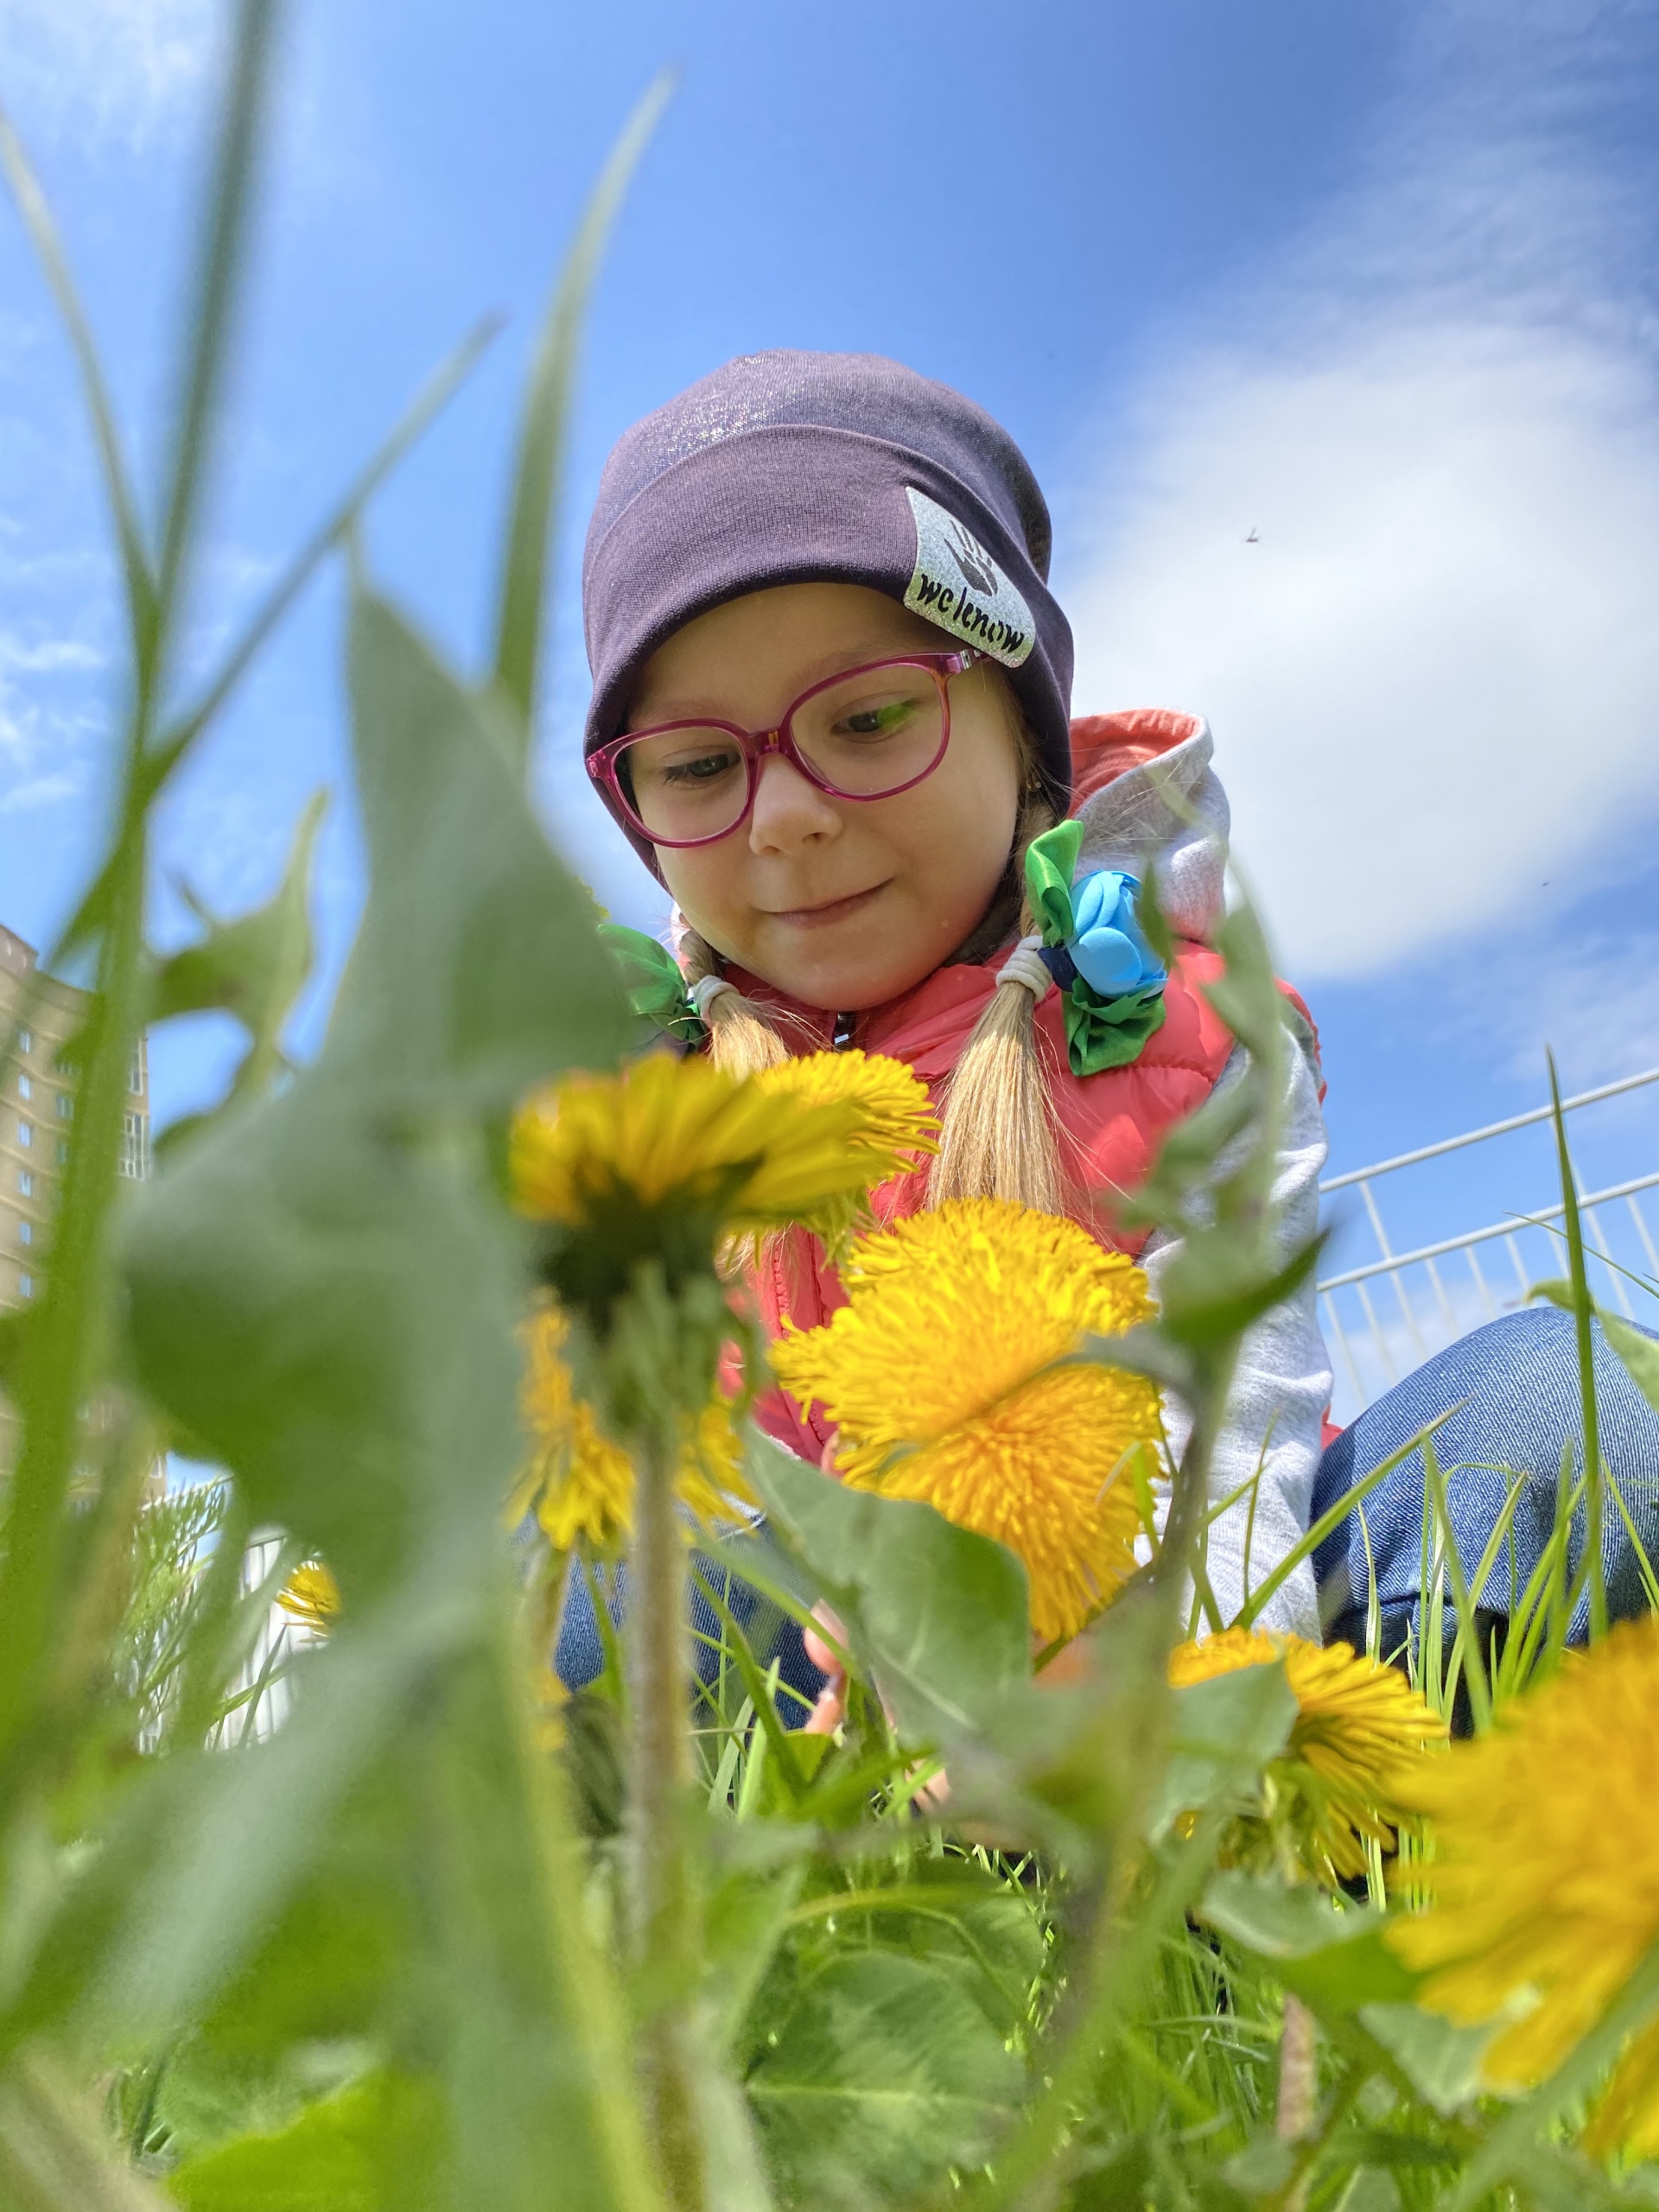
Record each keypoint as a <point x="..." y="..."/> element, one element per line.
<point x="1280" y="1391"/>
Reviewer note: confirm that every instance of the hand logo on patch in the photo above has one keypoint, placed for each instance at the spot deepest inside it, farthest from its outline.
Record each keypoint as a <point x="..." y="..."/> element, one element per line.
<point x="973" y="560"/>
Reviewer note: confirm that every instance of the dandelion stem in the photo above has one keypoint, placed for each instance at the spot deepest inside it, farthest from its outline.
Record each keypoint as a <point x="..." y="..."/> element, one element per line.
<point x="663" y="1919"/>
<point x="1298" y="2071"/>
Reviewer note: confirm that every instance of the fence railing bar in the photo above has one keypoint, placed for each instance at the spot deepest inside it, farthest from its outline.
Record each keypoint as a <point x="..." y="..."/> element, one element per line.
<point x="1398" y="1260"/>
<point x="1450" y="1317"/>
<point x="1387" y="1250"/>
<point x="1642" y="1231"/>
<point x="1520" y="1269"/>
<point x="1378" y="1337"/>
<point x="1347" y="1350"/>
<point x="1492" y="1130"/>
<point x="1614" y="1275"/>
<point x="1486" y="1298"/>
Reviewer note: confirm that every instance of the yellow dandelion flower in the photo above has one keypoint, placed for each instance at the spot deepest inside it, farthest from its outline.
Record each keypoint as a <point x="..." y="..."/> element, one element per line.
<point x="1359" y="1728"/>
<point x="311" y="1596"/>
<point x="934" y="1374"/>
<point x="681" y="1138"/>
<point x="894" y="1125"/>
<point x="895" y="1117"/>
<point x="1545" y="1877"/>
<point x="578" y="1483"/>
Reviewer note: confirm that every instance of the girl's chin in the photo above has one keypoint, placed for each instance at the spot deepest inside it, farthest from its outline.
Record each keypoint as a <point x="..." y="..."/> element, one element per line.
<point x="835" y="991"/>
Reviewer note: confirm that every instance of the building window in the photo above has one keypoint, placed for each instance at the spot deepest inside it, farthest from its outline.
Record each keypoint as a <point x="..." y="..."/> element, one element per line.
<point x="63" y="1151"/>
<point x="25" y="1088"/>
<point x="65" y="1107"/>
<point x="25" y="1182"/>
<point x="26" y="1286"/>
<point x="25" y="1232"/>
<point x="136" y="1080"/>
<point x="25" y="1135"/>
<point x="25" y="1041"/>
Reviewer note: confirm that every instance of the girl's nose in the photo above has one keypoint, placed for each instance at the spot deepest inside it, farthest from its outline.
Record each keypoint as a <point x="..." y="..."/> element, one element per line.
<point x="790" y="810"/>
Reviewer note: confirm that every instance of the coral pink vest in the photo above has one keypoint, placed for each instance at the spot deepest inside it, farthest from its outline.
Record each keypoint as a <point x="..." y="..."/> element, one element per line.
<point x="1110" y="1125"/>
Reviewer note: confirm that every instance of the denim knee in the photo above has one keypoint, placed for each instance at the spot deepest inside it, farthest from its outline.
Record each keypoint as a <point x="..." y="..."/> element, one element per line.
<point x="1511" y="1395"/>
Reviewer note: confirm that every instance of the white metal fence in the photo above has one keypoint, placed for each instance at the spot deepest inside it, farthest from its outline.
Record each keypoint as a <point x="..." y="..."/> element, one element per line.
<point x="1434" y="1293"/>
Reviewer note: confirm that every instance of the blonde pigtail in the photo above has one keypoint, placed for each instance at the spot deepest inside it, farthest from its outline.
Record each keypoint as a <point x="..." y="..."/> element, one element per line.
<point x="997" y="1138"/>
<point x="743" y="1039"/>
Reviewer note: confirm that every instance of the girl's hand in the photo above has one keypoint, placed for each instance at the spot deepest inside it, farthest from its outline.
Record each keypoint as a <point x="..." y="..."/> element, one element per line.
<point x="831" y="1709"/>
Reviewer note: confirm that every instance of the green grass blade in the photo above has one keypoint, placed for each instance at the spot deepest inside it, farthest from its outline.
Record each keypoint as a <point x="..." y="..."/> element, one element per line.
<point x="433" y="397"/>
<point x="135" y="568"/>
<point x="217" y="277"/>
<point x="1333" y="1517"/>
<point x="542" y="435"/>
<point x="1465" y="1651"/>
<point x="1644" y="1564"/>
<point x="1582" y="1315"/>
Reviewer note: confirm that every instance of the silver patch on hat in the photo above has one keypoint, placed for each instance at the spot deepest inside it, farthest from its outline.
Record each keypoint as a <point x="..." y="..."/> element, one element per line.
<point x="957" y="585"/>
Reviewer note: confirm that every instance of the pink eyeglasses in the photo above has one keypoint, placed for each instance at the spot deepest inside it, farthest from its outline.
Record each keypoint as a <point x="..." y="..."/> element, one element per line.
<point x="866" y="734"/>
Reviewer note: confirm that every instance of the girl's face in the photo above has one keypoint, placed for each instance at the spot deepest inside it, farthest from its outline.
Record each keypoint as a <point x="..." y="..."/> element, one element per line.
<point x="842" y="903"/>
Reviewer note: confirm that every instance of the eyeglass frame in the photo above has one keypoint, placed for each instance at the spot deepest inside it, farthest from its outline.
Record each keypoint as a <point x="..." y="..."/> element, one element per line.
<point x="761" y="745"/>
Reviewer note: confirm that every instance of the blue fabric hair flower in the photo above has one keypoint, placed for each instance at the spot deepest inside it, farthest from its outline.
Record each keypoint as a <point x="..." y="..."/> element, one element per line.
<point x="1107" y="946"/>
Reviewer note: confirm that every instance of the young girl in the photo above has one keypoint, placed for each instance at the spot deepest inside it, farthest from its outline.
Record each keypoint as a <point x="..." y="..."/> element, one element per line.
<point x="831" y="711"/>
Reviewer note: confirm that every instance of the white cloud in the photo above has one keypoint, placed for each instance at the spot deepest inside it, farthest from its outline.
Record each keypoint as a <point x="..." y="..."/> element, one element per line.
<point x="1595" y="1004"/>
<point x="44" y="791"/>
<point x="45" y="656"/>
<point x="1432" y="677"/>
<point x="121" y="65"/>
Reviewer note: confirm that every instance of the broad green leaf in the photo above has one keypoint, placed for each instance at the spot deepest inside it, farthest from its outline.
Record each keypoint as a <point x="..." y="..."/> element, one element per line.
<point x="254" y="968"/>
<point x="938" y="1614"/>
<point x="324" y="1288"/>
<point x="1263" y="2167"/>
<point x="1223" y="1733"/>
<point x="376" y="2146"/>
<point x="1439" y="2059"/>
<point x="1369" y="2189"/>
<point x="882" y="2072"/>
<point x="1116" y="2180"/>
<point x="341" y="1949"/>
<point x="55" y="2154"/>
<point x="478" y="971"/>
<point x="1638" y="1350"/>
<point x="983" y="1929"/>
<point x="1332" y="1958"/>
<point x="1639" y="1353"/>
<point x="331" y="1311"/>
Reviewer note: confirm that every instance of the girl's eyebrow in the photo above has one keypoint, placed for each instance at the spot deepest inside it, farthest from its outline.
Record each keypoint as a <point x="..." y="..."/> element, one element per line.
<point x="844" y="657"/>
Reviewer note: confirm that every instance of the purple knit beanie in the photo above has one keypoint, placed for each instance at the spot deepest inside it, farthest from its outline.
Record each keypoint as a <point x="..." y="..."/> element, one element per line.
<point x="826" y="467"/>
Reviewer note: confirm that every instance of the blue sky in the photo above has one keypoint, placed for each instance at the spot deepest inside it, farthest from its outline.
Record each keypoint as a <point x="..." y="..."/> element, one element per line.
<point x="1374" y="281"/>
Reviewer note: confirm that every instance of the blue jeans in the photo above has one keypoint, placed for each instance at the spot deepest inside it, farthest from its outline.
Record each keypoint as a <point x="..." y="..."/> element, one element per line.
<point x="1518" y="1378"/>
<point x="578" y="1658"/>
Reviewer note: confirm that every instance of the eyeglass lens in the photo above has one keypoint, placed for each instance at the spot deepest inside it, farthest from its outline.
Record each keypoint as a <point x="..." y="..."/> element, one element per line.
<point x="868" y="734"/>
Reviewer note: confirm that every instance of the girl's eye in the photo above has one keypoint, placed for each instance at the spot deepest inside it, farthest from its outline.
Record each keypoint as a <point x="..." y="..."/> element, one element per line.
<point x="877" y="720"/>
<point x="698" y="770"/>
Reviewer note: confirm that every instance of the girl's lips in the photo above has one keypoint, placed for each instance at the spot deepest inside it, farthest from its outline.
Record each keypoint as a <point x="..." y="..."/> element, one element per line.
<point x="834" y="909"/>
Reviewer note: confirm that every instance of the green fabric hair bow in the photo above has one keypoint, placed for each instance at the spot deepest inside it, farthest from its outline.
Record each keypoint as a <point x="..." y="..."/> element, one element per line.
<point x="1091" y="925"/>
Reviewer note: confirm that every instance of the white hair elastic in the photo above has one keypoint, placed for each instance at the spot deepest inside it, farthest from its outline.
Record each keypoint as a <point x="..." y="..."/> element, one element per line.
<point x="707" y="988"/>
<point x="1025" y="966"/>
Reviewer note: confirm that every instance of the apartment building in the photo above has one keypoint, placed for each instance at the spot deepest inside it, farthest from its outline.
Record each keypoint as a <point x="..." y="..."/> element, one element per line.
<point x="42" y="1017"/>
